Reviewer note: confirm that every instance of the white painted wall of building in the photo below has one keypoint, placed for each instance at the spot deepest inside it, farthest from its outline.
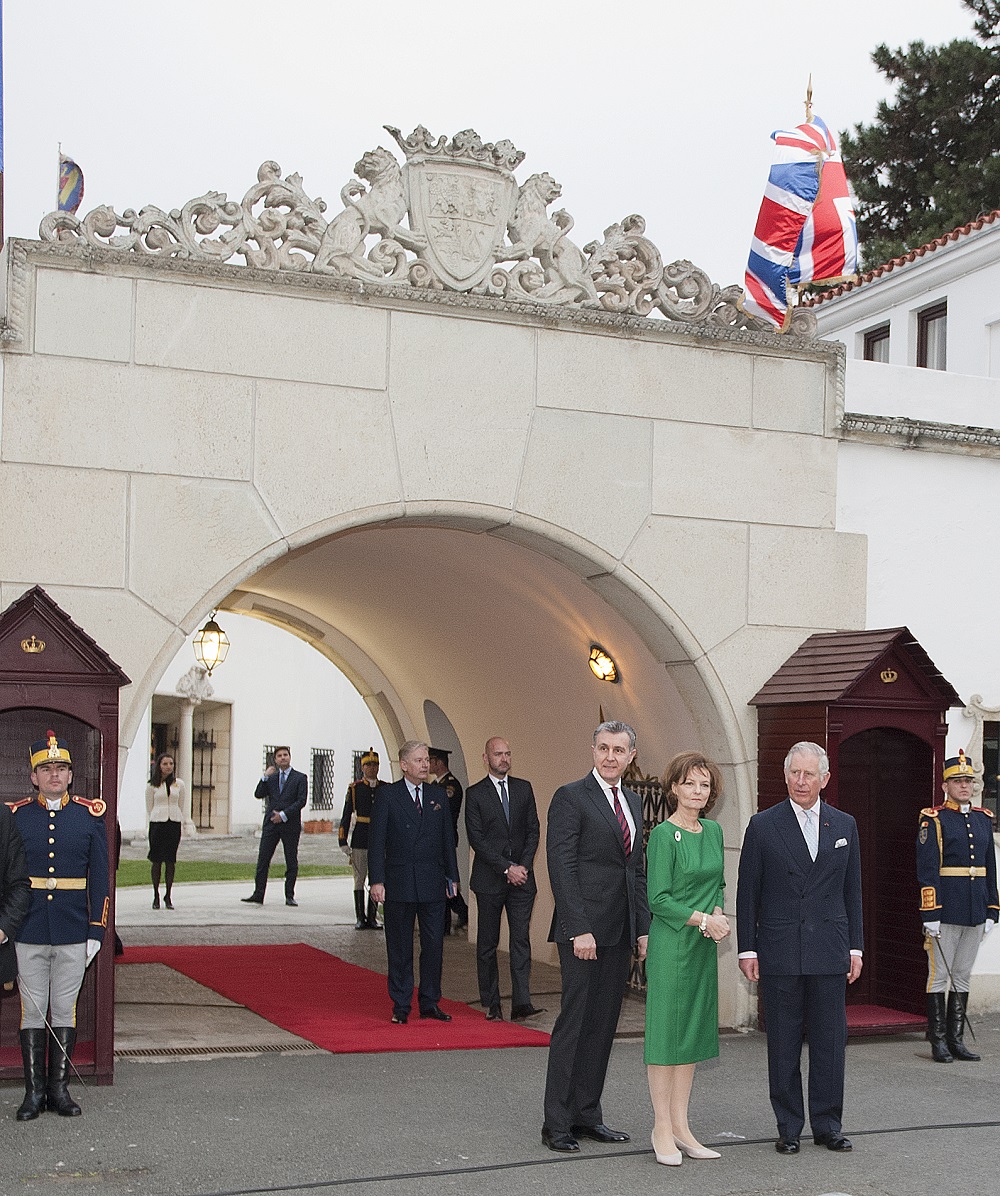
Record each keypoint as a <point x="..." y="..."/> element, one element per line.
<point x="282" y="691"/>
<point x="929" y="516"/>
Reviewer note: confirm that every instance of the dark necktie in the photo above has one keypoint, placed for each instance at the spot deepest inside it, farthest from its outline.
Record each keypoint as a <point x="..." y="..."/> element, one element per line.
<point x="416" y="799"/>
<point x="281" y="783"/>
<point x="622" y="820"/>
<point x="504" y="802"/>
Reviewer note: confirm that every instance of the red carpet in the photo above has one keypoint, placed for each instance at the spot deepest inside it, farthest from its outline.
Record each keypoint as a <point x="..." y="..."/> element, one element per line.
<point x="879" y="1019"/>
<point x="338" y="1006"/>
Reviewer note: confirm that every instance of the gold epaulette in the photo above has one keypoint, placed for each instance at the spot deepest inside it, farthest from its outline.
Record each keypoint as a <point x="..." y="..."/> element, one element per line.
<point x="930" y="812"/>
<point x="16" y="805"/>
<point x="981" y="810"/>
<point x="95" y="805"/>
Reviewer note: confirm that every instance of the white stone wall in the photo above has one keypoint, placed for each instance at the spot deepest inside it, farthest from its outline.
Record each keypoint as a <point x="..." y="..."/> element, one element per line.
<point x="227" y="423"/>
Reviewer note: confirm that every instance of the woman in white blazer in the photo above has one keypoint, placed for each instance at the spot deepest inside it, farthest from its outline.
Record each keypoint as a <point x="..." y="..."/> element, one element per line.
<point x="164" y="806"/>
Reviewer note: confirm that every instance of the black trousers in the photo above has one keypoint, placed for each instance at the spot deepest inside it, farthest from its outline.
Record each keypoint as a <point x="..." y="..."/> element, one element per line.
<point x="287" y="833"/>
<point x="580" y="1047"/>
<point x="518" y="901"/>
<point x="399" y="917"/>
<point x="811" y="1008"/>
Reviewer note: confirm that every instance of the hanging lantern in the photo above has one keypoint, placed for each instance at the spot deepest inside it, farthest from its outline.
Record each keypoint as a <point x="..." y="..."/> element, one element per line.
<point x="211" y="645"/>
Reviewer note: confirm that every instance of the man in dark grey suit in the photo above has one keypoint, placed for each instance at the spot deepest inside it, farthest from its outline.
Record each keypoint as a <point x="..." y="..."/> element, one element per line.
<point x="799" y="931"/>
<point x="413" y="870"/>
<point x="502" y="824"/>
<point x="594" y="847"/>
<point x="283" y="791"/>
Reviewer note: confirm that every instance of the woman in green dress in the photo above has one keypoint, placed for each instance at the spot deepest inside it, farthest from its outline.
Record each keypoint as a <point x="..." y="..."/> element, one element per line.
<point x="684" y="881"/>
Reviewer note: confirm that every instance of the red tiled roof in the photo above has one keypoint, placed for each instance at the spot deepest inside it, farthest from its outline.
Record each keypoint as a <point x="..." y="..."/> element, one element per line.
<point x="922" y="251"/>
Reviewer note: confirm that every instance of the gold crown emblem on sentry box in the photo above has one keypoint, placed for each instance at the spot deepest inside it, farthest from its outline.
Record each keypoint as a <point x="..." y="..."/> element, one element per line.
<point x="32" y="645"/>
<point x="888" y="676"/>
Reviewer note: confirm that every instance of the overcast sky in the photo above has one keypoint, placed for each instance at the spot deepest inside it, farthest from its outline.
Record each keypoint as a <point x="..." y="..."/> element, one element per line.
<point x="661" y="107"/>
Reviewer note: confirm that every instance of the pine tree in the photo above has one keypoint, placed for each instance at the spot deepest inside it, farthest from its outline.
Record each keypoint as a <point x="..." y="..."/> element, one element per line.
<point x="930" y="161"/>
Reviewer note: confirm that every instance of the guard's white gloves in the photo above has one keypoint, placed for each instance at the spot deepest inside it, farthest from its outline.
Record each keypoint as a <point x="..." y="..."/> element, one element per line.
<point x="345" y="848"/>
<point x="933" y="929"/>
<point x="93" y="946"/>
<point x="988" y="926"/>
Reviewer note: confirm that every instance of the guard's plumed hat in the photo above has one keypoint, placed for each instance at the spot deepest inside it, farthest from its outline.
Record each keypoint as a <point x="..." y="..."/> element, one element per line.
<point x="370" y="757"/>
<point x="958" y="766"/>
<point x="50" y="750"/>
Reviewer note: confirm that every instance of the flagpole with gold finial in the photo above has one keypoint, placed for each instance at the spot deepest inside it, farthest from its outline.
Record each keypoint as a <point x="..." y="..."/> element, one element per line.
<point x="809" y="99"/>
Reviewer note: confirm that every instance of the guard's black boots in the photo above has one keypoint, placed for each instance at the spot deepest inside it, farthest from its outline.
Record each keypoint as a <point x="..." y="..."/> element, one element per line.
<point x="33" y="1056"/>
<point x="57" y="1094"/>
<point x="956" y="1028"/>
<point x="359" y="910"/>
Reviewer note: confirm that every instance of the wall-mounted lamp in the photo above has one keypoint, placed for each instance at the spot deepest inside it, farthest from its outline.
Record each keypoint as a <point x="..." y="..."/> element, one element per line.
<point x="211" y="645"/>
<point x="602" y="665"/>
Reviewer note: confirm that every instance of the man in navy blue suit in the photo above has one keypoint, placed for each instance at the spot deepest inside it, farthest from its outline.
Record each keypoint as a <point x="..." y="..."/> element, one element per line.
<point x="284" y="791"/>
<point x="799" y="933"/>
<point x="413" y="870"/>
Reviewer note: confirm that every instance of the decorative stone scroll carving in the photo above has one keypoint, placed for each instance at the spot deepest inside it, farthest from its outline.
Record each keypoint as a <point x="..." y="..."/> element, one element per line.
<point x="469" y="228"/>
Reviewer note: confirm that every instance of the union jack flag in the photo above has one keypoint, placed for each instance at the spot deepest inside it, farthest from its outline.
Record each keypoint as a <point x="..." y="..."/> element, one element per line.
<point x="805" y="229"/>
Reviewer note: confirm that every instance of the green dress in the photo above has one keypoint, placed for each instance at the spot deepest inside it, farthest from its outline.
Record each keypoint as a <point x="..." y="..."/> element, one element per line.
<point x="684" y="872"/>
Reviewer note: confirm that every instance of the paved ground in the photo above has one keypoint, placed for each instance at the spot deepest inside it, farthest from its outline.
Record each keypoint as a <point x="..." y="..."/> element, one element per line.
<point x="293" y="1118"/>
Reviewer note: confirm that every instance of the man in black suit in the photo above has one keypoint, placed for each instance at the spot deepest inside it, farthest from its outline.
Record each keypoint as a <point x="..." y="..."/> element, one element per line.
<point x="284" y="792"/>
<point x="15" y="897"/>
<point x="594" y="848"/>
<point x="413" y="870"/>
<point x="502" y="824"/>
<point x="798" y="918"/>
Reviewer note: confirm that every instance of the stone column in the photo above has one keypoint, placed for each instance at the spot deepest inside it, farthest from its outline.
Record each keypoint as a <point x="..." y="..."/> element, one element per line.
<point x="194" y="687"/>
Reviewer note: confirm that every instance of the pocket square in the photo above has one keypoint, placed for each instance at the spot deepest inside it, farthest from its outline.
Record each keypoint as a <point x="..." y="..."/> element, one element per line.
<point x="840" y="843"/>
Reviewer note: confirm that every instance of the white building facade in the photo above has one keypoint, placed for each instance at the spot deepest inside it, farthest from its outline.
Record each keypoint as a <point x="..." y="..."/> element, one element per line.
<point x="918" y="473"/>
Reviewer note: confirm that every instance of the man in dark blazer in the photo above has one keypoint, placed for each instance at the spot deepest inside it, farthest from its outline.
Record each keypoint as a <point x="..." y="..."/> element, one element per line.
<point x="284" y="792"/>
<point x="413" y="870"/>
<point x="799" y="933"/>
<point x="502" y="824"/>
<point x="15" y="897"/>
<point x="594" y="847"/>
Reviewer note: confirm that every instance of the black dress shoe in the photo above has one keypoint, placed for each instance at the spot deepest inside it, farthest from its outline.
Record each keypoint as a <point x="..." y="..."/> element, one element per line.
<point x="494" y="1014"/>
<point x="559" y="1140"/>
<point x="399" y="1017"/>
<point x="291" y="901"/>
<point x="437" y="1015"/>
<point x="523" y="1011"/>
<point x="252" y="900"/>
<point x="787" y="1146"/>
<point x="834" y="1141"/>
<point x="600" y="1133"/>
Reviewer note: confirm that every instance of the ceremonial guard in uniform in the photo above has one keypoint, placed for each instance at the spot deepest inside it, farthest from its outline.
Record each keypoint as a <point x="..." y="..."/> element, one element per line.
<point x="442" y="775"/>
<point x="66" y="845"/>
<point x="957" y="872"/>
<point x="353" y="835"/>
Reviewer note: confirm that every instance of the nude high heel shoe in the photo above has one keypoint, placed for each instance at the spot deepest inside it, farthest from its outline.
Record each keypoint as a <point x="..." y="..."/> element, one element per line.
<point x="668" y="1160"/>
<point x="695" y="1152"/>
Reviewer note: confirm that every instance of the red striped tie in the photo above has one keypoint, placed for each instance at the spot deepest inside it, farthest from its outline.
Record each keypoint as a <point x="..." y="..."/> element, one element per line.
<point x="622" y="820"/>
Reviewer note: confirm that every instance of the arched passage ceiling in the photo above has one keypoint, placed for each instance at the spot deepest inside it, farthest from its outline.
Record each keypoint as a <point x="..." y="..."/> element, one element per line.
<point x="496" y="634"/>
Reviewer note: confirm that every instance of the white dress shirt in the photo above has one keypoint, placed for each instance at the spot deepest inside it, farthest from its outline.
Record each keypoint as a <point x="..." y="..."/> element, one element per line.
<point x="606" y="788"/>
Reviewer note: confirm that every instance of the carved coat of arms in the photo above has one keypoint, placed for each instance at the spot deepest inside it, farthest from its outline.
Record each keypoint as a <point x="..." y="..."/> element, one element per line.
<point x="460" y="193"/>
